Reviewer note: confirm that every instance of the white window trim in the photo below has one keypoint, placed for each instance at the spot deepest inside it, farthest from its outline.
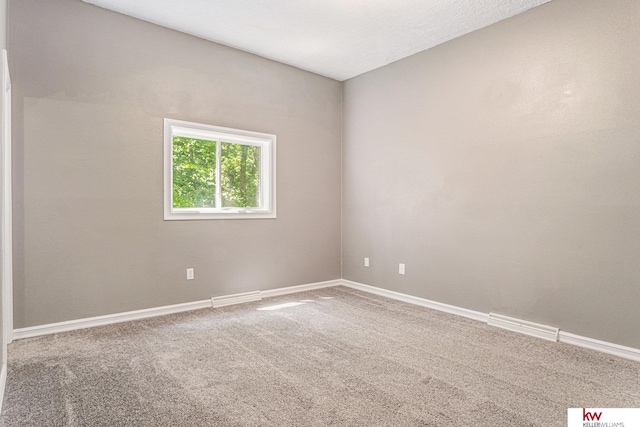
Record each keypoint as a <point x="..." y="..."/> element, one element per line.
<point x="267" y="142"/>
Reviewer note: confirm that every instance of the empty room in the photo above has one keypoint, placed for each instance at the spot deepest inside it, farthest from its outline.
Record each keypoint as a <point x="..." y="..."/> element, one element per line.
<point x="292" y="213"/>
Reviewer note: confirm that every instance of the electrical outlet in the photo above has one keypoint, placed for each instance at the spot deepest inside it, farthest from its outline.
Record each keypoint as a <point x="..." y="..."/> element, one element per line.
<point x="366" y="262"/>
<point x="189" y="273"/>
<point x="401" y="268"/>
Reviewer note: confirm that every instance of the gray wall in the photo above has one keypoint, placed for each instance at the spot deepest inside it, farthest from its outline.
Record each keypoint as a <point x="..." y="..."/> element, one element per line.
<point x="3" y="45"/>
<point x="3" y="24"/>
<point x="504" y="169"/>
<point x="91" y="88"/>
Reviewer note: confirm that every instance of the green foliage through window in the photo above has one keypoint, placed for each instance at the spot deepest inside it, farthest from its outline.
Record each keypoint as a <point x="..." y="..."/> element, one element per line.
<point x="195" y="174"/>
<point x="240" y="175"/>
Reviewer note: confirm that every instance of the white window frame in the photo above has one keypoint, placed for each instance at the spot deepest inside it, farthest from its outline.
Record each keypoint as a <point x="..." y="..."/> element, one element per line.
<point x="267" y="144"/>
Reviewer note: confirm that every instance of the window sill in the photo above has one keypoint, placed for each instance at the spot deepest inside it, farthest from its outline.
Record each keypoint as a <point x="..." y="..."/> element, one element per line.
<point x="232" y="213"/>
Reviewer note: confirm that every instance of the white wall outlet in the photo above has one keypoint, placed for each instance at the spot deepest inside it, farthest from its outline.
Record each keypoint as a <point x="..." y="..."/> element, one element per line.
<point x="401" y="268"/>
<point x="189" y="273"/>
<point x="366" y="262"/>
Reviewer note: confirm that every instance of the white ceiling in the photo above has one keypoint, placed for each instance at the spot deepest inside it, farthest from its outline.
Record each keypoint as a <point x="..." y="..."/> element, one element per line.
<point x="335" y="38"/>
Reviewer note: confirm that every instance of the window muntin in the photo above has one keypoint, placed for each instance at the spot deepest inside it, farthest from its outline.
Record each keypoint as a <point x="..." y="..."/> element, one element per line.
<point x="215" y="173"/>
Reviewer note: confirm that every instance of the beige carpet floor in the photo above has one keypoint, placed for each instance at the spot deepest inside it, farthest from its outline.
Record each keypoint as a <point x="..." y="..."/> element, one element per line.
<point x="329" y="357"/>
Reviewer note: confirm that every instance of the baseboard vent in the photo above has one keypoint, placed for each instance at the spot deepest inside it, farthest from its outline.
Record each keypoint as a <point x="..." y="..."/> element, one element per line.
<point x="235" y="299"/>
<point x="528" y="328"/>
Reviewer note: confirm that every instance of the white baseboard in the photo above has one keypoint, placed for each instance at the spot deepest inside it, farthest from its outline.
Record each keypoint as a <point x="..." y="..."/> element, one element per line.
<point x="3" y="383"/>
<point x="549" y="333"/>
<point x="109" y="319"/>
<point x="225" y="300"/>
<point x="564" y="337"/>
<point x="53" y="328"/>
<point x="470" y="314"/>
<point x="300" y="288"/>
<point x="602" y="346"/>
<point x="270" y="293"/>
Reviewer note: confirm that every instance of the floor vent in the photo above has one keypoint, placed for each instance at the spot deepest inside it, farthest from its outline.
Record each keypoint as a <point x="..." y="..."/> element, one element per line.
<point x="236" y="299"/>
<point x="528" y="328"/>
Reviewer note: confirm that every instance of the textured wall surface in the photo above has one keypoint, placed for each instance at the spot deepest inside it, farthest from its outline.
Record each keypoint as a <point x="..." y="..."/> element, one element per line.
<point x="91" y="89"/>
<point x="503" y="168"/>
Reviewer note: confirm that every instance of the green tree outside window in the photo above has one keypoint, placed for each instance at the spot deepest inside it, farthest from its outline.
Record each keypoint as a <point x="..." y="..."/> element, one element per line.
<point x="195" y="174"/>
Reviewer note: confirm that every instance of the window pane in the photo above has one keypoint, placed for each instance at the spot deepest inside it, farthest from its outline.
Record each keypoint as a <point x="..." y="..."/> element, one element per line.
<point x="194" y="173"/>
<point x="240" y="175"/>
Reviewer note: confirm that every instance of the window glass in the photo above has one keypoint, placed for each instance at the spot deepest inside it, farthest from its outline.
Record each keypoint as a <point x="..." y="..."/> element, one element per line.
<point x="194" y="173"/>
<point x="240" y="175"/>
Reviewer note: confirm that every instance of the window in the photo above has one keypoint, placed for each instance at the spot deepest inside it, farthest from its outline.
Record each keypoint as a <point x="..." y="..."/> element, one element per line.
<point x="212" y="172"/>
